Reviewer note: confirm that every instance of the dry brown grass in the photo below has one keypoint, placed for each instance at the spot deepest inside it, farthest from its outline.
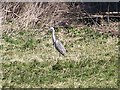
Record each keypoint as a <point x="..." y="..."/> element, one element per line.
<point x="35" y="15"/>
<point x="41" y="15"/>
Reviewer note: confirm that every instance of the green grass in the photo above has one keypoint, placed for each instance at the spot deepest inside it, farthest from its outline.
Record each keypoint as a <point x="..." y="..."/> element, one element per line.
<point x="30" y="60"/>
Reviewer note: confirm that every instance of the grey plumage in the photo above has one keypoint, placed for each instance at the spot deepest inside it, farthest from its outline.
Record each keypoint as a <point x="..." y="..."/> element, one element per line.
<point x="57" y="44"/>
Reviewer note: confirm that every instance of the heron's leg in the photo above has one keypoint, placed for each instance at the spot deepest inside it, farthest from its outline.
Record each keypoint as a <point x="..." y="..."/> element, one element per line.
<point x="56" y="59"/>
<point x="59" y="54"/>
<point x="59" y="57"/>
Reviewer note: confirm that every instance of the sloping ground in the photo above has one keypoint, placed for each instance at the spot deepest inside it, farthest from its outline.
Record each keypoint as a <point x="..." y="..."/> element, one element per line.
<point x="30" y="60"/>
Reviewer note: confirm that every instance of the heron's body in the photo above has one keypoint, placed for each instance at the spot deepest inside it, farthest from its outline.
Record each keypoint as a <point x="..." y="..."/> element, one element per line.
<point x="57" y="44"/>
<point x="60" y="47"/>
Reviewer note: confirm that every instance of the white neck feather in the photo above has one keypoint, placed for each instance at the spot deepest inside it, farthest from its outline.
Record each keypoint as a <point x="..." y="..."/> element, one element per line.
<point x="53" y="35"/>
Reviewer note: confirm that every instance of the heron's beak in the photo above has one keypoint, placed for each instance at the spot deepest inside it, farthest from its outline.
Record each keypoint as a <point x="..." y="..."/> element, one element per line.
<point x="49" y="32"/>
<point x="49" y="29"/>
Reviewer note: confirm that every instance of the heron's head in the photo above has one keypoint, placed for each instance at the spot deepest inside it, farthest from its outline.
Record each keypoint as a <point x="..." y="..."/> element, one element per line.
<point x="52" y="28"/>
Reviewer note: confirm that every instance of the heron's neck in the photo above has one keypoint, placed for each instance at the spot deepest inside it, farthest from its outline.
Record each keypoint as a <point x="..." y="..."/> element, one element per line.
<point x="53" y="36"/>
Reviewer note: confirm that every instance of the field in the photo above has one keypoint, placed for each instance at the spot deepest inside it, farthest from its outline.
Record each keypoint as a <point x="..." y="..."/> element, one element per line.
<point x="30" y="60"/>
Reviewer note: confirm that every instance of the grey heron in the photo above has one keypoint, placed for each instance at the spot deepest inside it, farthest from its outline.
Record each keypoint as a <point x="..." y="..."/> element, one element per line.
<point x="57" y="44"/>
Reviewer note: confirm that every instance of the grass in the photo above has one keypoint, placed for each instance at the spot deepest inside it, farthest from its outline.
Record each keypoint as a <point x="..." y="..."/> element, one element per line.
<point x="30" y="60"/>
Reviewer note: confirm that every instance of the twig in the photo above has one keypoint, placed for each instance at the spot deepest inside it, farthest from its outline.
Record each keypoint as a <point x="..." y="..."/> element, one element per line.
<point x="14" y="10"/>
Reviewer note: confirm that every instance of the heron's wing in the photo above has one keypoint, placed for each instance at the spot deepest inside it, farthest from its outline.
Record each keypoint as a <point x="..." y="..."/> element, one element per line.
<point x="60" y="47"/>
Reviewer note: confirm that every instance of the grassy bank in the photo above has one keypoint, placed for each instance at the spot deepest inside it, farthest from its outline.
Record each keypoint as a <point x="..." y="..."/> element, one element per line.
<point x="30" y="60"/>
